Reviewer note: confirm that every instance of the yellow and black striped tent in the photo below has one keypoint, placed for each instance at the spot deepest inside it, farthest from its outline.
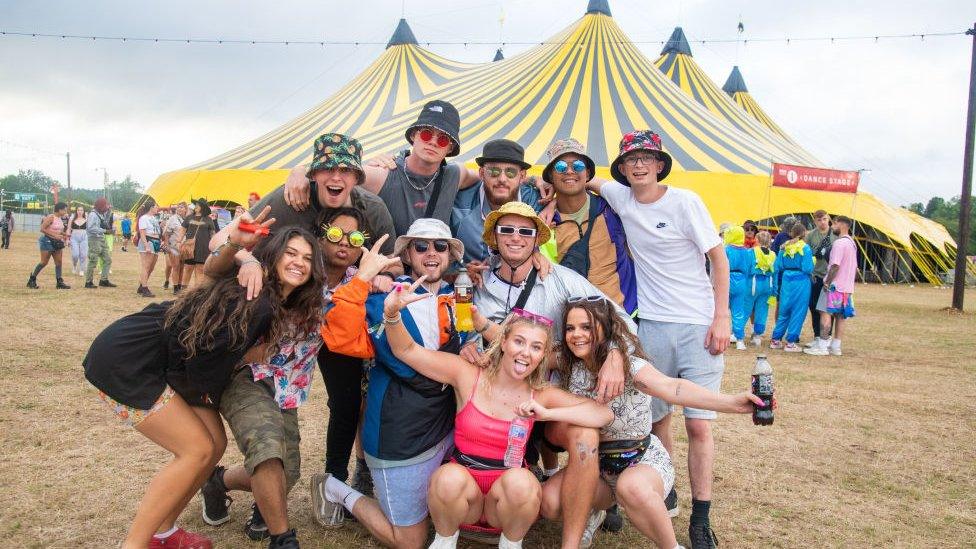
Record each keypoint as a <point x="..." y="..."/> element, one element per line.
<point x="589" y="81"/>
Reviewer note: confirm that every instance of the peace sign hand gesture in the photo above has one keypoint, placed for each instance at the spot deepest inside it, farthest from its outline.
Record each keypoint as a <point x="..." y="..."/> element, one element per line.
<point x="373" y="262"/>
<point x="249" y="239"/>
<point x="401" y="296"/>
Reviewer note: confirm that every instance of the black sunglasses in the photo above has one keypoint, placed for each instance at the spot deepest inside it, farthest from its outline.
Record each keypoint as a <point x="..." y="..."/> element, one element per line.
<point x="421" y="246"/>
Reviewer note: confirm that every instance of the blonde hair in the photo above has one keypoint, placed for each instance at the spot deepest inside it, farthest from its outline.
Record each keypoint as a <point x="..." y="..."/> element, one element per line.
<point x="493" y="356"/>
<point x="763" y="238"/>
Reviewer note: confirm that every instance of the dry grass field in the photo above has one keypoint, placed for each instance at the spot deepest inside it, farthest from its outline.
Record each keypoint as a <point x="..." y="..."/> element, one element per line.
<point x="874" y="449"/>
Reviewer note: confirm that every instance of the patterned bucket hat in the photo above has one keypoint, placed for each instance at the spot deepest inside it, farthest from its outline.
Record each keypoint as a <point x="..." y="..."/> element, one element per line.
<point x="515" y="208"/>
<point x="640" y="140"/>
<point x="334" y="150"/>
<point x="566" y="146"/>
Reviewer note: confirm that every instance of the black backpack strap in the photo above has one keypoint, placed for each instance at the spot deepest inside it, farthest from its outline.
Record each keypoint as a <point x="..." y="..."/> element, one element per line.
<point x="438" y="183"/>
<point x="527" y="289"/>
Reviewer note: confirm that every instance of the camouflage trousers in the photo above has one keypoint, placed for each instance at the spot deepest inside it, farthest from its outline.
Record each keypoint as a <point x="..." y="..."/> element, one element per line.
<point x="98" y="250"/>
<point x="261" y="429"/>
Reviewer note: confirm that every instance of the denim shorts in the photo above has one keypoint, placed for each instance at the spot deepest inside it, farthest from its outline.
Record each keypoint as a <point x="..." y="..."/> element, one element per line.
<point x="402" y="491"/>
<point x="678" y="350"/>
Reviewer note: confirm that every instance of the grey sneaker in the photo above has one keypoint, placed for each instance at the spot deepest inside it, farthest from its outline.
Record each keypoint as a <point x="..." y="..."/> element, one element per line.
<point x="215" y="499"/>
<point x="592" y="525"/>
<point x="328" y="514"/>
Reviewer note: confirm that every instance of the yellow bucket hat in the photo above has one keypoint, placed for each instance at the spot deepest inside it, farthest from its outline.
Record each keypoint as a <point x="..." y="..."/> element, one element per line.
<point x="515" y="208"/>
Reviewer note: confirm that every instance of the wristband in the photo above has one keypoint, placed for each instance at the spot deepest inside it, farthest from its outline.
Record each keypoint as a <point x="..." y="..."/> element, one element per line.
<point x="483" y="330"/>
<point x="394" y="320"/>
<point x="249" y="260"/>
<point x="389" y="274"/>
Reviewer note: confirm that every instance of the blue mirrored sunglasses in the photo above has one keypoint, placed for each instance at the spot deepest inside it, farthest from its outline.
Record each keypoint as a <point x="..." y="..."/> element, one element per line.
<point x="561" y="166"/>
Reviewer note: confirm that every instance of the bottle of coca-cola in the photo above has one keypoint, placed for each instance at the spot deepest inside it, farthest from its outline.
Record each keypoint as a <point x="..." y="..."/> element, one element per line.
<point x="762" y="387"/>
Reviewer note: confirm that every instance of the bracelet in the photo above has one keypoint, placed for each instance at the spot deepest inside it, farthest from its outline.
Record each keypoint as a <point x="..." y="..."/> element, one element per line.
<point x="249" y="260"/>
<point x="485" y="329"/>
<point x="234" y="245"/>
<point x="394" y="320"/>
<point x="389" y="274"/>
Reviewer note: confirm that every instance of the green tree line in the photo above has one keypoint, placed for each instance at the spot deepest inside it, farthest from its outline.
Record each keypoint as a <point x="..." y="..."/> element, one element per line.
<point x="946" y="212"/>
<point x="123" y="195"/>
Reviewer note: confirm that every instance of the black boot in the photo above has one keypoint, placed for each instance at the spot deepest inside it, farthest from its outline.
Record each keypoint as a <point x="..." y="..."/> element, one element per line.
<point x="104" y="283"/>
<point x="288" y="540"/>
<point x="32" y="283"/>
<point x="90" y="285"/>
<point x="166" y="284"/>
<point x="61" y="285"/>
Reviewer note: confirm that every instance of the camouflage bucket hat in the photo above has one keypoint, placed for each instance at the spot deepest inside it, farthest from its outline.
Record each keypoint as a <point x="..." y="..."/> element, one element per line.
<point x="334" y="150"/>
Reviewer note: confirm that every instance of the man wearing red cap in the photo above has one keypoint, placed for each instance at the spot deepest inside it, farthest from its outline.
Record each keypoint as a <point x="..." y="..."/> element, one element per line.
<point x="684" y="318"/>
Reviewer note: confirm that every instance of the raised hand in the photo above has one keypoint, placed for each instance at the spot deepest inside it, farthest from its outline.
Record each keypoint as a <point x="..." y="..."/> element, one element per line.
<point x="248" y="239"/>
<point x="373" y="262"/>
<point x="386" y="161"/>
<point x="401" y="296"/>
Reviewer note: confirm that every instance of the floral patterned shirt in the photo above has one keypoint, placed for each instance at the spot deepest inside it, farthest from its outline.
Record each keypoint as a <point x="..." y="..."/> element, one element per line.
<point x="291" y="368"/>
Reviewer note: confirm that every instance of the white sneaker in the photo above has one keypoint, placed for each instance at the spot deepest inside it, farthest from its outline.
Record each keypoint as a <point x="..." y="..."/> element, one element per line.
<point x="740" y="346"/>
<point x="816" y="350"/>
<point x="812" y="343"/>
<point x="732" y="339"/>
<point x="757" y="341"/>
<point x="776" y="344"/>
<point x="592" y="525"/>
<point x="835" y="351"/>
<point x="328" y="514"/>
<point x="794" y="348"/>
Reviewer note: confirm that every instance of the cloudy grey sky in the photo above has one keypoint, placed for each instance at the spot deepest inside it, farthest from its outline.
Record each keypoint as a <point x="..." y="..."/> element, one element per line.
<point x="896" y="107"/>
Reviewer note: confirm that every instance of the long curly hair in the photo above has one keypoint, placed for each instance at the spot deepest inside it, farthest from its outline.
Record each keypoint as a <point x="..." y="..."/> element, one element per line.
<point x="201" y="312"/>
<point x="608" y="332"/>
<point x="493" y="355"/>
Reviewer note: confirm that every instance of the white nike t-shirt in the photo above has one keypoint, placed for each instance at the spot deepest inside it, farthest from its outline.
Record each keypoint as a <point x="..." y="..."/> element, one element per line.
<point x="668" y="241"/>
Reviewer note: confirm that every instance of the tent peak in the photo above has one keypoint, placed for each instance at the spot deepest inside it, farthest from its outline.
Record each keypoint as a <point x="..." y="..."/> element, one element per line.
<point x="677" y="43"/>
<point x="735" y="82"/>
<point x="599" y="6"/>
<point x="498" y="55"/>
<point x="402" y="35"/>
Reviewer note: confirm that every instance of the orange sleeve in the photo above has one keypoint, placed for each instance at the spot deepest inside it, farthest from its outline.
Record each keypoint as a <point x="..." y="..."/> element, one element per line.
<point x="344" y="328"/>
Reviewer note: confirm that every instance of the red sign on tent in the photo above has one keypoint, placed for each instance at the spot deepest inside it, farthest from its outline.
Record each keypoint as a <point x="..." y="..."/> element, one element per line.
<point x="815" y="179"/>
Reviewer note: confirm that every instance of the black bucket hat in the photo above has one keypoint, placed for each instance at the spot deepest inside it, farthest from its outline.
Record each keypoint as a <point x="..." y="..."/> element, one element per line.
<point x="442" y="116"/>
<point x="503" y="150"/>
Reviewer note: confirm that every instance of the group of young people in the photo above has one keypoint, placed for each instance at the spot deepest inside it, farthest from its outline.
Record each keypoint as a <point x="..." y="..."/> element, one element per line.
<point x="801" y="270"/>
<point x="592" y="315"/>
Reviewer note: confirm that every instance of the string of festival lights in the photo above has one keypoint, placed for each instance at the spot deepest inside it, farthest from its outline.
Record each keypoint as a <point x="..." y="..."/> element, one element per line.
<point x="322" y="43"/>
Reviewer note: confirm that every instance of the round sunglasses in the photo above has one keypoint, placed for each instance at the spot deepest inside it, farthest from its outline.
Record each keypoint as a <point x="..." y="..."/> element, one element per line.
<point x="427" y="134"/>
<point x="335" y="235"/>
<point x="495" y="171"/>
<point x="561" y="166"/>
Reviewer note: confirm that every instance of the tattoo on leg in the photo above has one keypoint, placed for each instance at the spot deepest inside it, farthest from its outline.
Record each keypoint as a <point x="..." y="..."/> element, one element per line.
<point x="582" y="449"/>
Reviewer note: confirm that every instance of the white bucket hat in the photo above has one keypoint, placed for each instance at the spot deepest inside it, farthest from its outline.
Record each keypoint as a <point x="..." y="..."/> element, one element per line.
<point x="427" y="228"/>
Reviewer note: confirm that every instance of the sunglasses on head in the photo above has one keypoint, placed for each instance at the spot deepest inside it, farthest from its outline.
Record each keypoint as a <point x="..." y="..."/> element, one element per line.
<point x="495" y="171"/>
<point x="335" y="234"/>
<point x="588" y="298"/>
<point x="510" y="230"/>
<point x="421" y="246"/>
<point x="426" y="134"/>
<point x="561" y="166"/>
<point x="544" y="320"/>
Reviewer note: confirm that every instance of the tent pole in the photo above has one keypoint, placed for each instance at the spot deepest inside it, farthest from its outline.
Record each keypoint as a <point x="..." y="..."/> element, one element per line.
<point x="959" y="284"/>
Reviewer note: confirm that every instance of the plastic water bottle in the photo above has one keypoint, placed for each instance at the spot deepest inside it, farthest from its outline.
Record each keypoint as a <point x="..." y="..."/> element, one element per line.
<point x="463" y="294"/>
<point x="762" y="387"/>
<point x="518" y="438"/>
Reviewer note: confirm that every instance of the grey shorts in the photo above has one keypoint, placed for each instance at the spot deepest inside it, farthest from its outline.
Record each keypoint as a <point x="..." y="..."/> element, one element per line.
<point x="261" y="429"/>
<point x="402" y="491"/>
<point x="678" y="350"/>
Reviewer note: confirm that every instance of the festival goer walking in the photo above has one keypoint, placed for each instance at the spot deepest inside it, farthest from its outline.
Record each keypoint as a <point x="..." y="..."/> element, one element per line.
<point x="343" y="239"/>
<point x="150" y="244"/>
<point x="164" y="369"/>
<point x="742" y="260"/>
<point x="51" y="244"/>
<point x="684" y="317"/>
<point x="794" y="263"/>
<point x="78" y="236"/>
<point x="198" y="228"/>
<point x="481" y="484"/>
<point x="590" y="237"/>
<point x="408" y="427"/>
<point x="836" y="302"/>
<point x="99" y="225"/>
<point x="515" y="231"/>
<point x="762" y="285"/>
<point x="820" y="240"/>
<point x="126" y="226"/>
<point x="172" y="236"/>
<point x="635" y="469"/>
<point x="6" y="227"/>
